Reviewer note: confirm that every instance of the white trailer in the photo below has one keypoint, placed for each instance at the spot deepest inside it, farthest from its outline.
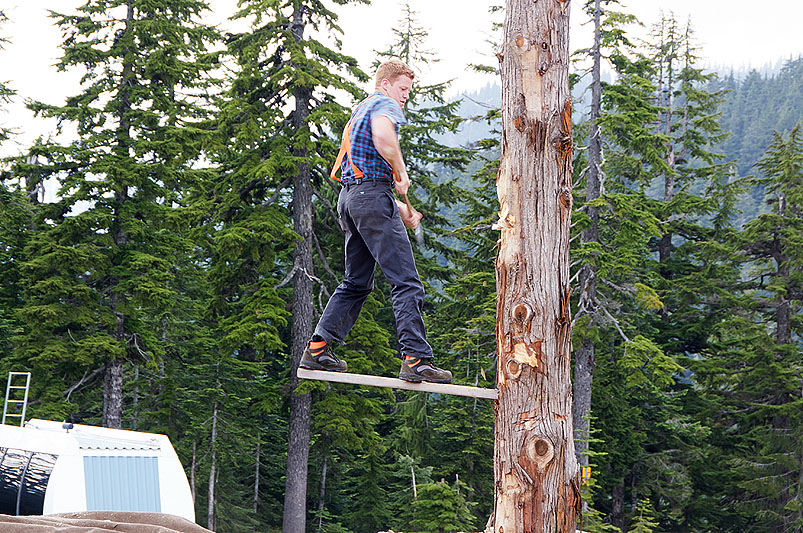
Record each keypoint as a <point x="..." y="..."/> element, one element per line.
<point x="49" y="467"/>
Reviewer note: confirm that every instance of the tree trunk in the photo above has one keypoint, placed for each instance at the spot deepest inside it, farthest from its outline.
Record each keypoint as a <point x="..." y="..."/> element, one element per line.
<point x="193" y="466"/>
<point x="210" y="506"/>
<point x="295" y="494"/>
<point x="113" y="390"/>
<point x="412" y="476"/>
<point x="799" y="498"/>
<point x="113" y="394"/>
<point x="669" y="47"/>
<point x="783" y="315"/>
<point x="535" y="468"/>
<point x="135" y="401"/>
<point x="322" y="493"/>
<point x="584" y="358"/>
<point x="618" y="506"/>
<point x="256" y="480"/>
<point x="583" y="382"/>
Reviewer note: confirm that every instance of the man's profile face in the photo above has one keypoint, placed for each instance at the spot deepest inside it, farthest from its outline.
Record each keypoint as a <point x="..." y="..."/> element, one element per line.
<point x="399" y="90"/>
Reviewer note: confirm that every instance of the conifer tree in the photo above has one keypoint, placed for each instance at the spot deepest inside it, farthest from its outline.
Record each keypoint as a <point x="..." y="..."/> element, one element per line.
<point x="612" y="230"/>
<point x="13" y="220"/>
<point x="6" y="92"/>
<point x="99" y="270"/>
<point x="608" y="39"/>
<point x="643" y="519"/>
<point x="443" y="507"/>
<point x="466" y="325"/>
<point x="690" y="128"/>
<point x="618" y="318"/>
<point x="296" y="75"/>
<point x="755" y="357"/>
<point x="694" y="206"/>
<point x="16" y="215"/>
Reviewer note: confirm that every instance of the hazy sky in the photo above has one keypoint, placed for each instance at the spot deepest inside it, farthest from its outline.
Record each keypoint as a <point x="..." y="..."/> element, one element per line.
<point x="730" y="32"/>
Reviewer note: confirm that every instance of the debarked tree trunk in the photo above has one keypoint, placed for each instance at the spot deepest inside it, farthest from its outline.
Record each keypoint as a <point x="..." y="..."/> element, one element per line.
<point x="535" y="468"/>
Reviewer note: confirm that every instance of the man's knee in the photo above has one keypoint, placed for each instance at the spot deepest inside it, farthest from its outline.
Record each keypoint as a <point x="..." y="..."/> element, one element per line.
<point x="356" y="288"/>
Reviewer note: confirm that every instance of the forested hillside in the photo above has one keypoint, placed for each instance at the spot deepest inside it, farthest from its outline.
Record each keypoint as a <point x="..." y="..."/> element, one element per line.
<point x="754" y="105"/>
<point x="193" y="242"/>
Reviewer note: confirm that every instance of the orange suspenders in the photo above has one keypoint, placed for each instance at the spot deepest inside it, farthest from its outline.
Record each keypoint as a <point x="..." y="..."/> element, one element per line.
<point x="345" y="148"/>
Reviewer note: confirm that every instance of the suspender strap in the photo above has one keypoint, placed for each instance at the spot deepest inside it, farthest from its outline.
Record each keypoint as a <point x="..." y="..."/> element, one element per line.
<point x="345" y="147"/>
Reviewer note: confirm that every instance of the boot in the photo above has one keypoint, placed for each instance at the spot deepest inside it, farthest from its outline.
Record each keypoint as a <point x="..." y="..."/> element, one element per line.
<point x="417" y="369"/>
<point x="318" y="356"/>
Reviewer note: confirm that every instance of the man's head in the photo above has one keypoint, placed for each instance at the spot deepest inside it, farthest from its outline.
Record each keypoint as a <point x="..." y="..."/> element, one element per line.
<point x="394" y="79"/>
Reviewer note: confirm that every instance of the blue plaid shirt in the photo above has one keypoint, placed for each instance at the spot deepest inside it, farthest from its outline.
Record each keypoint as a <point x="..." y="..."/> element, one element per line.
<point x="363" y="151"/>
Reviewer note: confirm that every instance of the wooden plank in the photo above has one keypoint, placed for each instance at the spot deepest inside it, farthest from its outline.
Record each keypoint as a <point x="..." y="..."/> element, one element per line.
<point x="394" y="383"/>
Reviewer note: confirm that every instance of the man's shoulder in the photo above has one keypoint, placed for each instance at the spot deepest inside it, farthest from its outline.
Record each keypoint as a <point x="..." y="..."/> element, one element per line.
<point x="380" y="101"/>
<point x="386" y="106"/>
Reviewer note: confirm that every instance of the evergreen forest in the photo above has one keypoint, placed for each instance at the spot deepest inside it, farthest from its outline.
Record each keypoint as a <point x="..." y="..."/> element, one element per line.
<point x="162" y="271"/>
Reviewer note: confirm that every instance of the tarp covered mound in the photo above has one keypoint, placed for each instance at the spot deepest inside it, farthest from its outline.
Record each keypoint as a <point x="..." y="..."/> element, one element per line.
<point x="99" y="522"/>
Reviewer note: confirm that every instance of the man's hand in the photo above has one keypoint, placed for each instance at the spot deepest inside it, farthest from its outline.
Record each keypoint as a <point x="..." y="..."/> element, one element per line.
<point x="410" y="218"/>
<point x="402" y="183"/>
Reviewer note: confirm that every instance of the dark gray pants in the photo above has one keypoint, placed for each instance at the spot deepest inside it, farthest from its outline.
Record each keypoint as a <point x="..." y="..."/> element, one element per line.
<point x="375" y="235"/>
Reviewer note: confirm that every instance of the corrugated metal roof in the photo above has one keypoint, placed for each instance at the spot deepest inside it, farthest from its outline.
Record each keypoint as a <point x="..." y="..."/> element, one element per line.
<point x="93" y="442"/>
<point x="118" y="483"/>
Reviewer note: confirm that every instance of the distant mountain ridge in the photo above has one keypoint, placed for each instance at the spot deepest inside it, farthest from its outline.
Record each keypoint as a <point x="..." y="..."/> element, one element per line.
<point x="757" y="102"/>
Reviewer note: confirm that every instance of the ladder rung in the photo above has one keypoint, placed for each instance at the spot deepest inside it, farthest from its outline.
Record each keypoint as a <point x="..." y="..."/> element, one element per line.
<point x="10" y="401"/>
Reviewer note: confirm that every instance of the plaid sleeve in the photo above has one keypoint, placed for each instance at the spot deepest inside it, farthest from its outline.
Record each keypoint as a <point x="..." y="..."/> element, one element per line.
<point x="388" y="107"/>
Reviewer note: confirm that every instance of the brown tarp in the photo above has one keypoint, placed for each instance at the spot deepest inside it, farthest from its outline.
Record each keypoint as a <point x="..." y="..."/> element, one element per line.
<point x="99" y="522"/>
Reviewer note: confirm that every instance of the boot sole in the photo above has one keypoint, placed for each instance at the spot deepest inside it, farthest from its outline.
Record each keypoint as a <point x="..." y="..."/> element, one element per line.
<point x="413" y="378"/>
<point x="316" y="366"/>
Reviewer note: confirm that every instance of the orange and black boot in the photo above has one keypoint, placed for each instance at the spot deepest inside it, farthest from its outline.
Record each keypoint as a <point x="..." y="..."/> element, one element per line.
<point x="418" y="369"/>
<point x="318" y="356"/>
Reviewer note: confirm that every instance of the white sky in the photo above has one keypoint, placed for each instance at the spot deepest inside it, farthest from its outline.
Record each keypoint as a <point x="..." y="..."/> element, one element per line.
<point x="730" y="32"/>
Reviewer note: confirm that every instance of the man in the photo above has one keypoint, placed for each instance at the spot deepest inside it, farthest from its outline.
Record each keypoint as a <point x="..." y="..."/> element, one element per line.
<point x="373" y="221"/>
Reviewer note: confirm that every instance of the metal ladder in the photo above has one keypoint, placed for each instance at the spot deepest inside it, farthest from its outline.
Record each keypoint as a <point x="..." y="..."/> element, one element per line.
<point x="15" y="399"/>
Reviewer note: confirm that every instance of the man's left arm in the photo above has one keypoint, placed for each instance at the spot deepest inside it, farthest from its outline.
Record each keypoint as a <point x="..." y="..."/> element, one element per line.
<point x="383" y="131"/>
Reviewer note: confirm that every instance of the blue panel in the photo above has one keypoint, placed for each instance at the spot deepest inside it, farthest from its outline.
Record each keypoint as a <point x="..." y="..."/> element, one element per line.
<point x="116" y="483"/>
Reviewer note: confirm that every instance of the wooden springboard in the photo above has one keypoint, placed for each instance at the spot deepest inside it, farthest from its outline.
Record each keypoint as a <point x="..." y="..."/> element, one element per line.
<point x="394" y="383"/>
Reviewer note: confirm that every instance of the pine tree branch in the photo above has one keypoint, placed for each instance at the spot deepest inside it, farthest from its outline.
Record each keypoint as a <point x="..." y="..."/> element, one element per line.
<point x="136" y="345"/>
<point x="481" y="104"/>
<point x="320" y="299"/>
<point x="615" y="323"/>
<point x="281" y="186"/>
<point x="311" y="277"/>
<point x="581" y="176"/>
<point x="323" y="259"/>
<point x="617" y="287"/>
<point x="84" y="379"/>
<point x="332" y="185"/>
<point x="329" y="207"/>
<point x="287" y="278"/>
